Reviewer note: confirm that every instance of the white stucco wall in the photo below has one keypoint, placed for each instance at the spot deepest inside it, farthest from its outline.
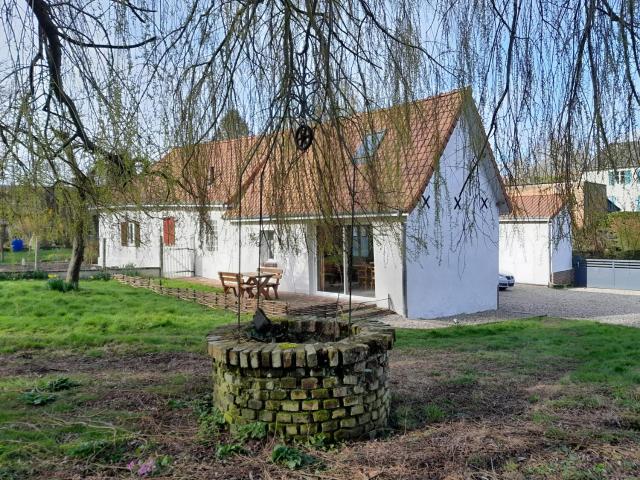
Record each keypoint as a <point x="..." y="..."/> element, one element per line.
<point x="387" y="255"/>
<point x="452" y="254"/>
<point x="625" y="196"/>
<point x="148" y="253"/>
<point x="524" y="251"/>
<point x="562" y="244"/>
<point x="526" y="245"/>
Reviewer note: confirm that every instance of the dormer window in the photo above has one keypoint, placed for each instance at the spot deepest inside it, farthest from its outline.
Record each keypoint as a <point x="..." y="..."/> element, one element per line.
<point x="367" y="149"/>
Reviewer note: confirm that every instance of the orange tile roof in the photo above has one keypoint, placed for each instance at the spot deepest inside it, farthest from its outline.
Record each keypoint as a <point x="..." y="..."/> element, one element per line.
<point x="536" y="206"/>
<point x="318" y="182"/>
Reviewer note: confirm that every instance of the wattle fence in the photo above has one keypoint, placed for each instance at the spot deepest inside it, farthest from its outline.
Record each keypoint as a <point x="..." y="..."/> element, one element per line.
<point x="208" y="299"/>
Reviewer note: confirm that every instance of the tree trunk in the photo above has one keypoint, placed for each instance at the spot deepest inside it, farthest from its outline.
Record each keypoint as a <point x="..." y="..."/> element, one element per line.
<point x="77" y="254"/>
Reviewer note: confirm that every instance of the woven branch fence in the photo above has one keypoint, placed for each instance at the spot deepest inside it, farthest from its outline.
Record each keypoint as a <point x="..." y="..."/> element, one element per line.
<point x="208" y="299"/>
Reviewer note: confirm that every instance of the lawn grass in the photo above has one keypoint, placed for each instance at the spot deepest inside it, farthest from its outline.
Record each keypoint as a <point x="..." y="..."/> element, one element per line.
<point x="594" y="352"/>
<point x="100" y="315"/>
<point x="180" y="283"/>
<point x="559" y="394"/>
<point x="48" y="255"/>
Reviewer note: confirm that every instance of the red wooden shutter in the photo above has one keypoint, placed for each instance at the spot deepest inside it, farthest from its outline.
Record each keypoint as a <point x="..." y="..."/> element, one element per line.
<point x="137" y="234"/>
<point x="169" y="231"/>
<point x="124" y="241"/>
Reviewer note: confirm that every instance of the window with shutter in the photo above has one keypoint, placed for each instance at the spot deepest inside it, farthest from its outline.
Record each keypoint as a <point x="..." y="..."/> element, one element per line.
<point x="169" y="231"/>
<point x="137" y="233"/>
<point x="124" y="231"/>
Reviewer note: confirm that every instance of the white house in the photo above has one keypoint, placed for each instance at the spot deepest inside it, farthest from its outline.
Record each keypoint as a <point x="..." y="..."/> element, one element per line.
<point x="535" y="240"/>
<point x="425" y="212"/>
<point x="623" y="181"/>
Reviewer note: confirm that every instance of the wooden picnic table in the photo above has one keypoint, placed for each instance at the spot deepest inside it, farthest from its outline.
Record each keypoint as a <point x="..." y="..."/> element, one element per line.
<point x="260" y="281"/>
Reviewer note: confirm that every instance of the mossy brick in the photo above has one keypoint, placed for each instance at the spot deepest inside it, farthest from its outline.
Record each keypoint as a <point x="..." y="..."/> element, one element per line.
<point x="348" y="422"/>
<point x="298" y="395"/>
<point x="359" y="367"/>
<point x="309" y="429"/>
<point x="300" y="357"/>
<point x="330" y="426"/>
<point x="373" y="385"/>
<point x="374" y="415"/>
<point x="288" y="358"/>
<point x="320" y="372"/>
<point x="333" y="356"/>
<point x="266" y="416"/>
<point x="255" y="404"/>
<point x="291" y="429"/>
<point x="278" y="394"/>
<point x="311" y="405"/>
<point x="312" y="356"/>
<point x="254" y="358"/>
<point x="265" y="355"/>
<point x="351" y="400"/>
<point x="283" y="417"/>
<point x="338" y="413"/>
<point x="358" y="389"/>
<point x="321" y="416"/>
<point x="248" y="414"/>
<point x="241" y="401"/>
<point x="329" y="382"/>
<point x="272" y="405"/>
<point x="288" y="382"/>
<point x="331" y="403"/>
<point x="356" y="410"/>
<point x="309" y="383"/>
<point x="300" y="417"/>
<point x="269" y="385"/>
<point x="290" y="406"/>
<point x="364" y="418"/>
<point x="244" y="358"/>
<point x="229" y="378"/>
<point x="276" y="358"/>
<point x="234" y="355"/>
<point x="260" y="395"/>
<point x="320" y="393"/>
<point x="341" y="391"/>
<point x="350" y="379"/>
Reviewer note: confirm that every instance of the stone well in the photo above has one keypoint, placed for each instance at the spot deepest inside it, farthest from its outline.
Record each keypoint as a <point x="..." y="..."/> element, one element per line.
<point x="319" y="377"/>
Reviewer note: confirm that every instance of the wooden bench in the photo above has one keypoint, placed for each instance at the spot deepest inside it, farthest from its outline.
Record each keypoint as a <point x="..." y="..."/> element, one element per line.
<point x="233" y="281"/>
<point x="274" y="282"/>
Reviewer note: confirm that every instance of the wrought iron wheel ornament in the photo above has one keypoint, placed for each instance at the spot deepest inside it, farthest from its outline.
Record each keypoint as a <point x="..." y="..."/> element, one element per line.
<point x="304" y="137"/>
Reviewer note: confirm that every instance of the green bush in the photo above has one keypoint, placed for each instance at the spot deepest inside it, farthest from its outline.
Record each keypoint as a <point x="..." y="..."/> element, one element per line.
<point x="101" y="276"/>
<point x="433" y="413"/>
<point x="111" y="450"/>
<point x="60" y="285"/>
<point x="225" y="450"/>
<point x="291" y="457"/>
<point x="130" y="270"/>
<point x="31" y="275"/>
<point x="251" y="431"/>
<point x="37" y="398"/>
<point x="60" y="384"/>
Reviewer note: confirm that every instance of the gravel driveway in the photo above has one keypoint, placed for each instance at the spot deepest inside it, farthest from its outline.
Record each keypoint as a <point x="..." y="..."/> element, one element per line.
<point x="606" y="306"/>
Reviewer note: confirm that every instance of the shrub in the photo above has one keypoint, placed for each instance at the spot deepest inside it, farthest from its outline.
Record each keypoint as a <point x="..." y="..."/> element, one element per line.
<point x="225" y="450"/>
<point x="130" y="270"/>
<point x="31" y="275"/>
<point x="101" y="276"/>
<point x="60" y="384"/>
<point x="210" y="425"/>
<point x="37" y="398"/>
<point x="291" y="457"/>
<point x="251" y="431"/>
<point x="60" y="285"/>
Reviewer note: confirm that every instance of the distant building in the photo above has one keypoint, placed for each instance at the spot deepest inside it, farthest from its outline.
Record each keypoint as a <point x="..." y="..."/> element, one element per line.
<point x="618" y="167"/>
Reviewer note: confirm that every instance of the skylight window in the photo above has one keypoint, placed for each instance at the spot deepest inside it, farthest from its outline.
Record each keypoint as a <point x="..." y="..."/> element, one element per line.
<point x="369" y="146"/>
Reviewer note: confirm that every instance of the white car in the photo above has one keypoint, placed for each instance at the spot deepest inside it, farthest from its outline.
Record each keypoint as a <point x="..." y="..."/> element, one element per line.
<point x="505" y="281"/>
